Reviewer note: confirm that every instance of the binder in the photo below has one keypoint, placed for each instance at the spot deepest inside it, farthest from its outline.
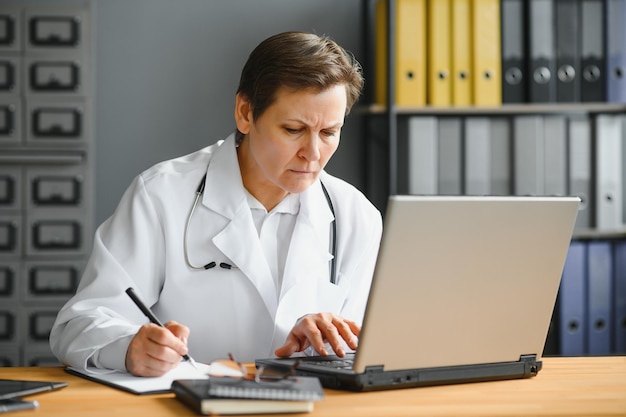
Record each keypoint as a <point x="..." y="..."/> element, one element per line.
<point x="501" y="156"/>
<point x="579" y="174"/>
<point x="477" y="157"/>
<point x="572" y="301"/>
<point x="450" y="154"/>
<point x="528" y="155"/>
<point x="555" y="155"/>
<point x="514" y="62"/>
<point x="418" y="166"/>
<point x="567" y="51"/>
<point x="619" y="299"/>
<point x="616" y="50"/>
<point x="381" y="29"/>
<point x="410" y="63"/>
<point x="592" y="51"/>
<point x="487" y="72"/>
<point x="541" y="49"/>
<point x="599" y="294"/>
<point x="461" y="53"/>
<point x="608" y="169"/>
<point x="439" y="53"/>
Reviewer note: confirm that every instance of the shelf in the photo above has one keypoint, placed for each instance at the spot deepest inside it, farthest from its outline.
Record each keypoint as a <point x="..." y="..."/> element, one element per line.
<point x="505" y="109"/>
<point x="616" y="233"/>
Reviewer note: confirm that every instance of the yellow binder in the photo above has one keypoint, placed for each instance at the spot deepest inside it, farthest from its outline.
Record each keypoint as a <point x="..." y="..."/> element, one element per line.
<point x="461" y="53"/>
<point x="439" y="53"/>
<point x="410" y="62"/>
<point x="487" y="68"/>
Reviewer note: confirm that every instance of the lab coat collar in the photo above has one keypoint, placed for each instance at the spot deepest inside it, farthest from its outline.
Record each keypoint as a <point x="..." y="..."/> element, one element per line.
<point x="224" y="192"/>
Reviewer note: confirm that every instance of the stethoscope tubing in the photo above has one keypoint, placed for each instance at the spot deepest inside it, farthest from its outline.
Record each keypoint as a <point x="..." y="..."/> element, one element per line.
<point x="224" y="265"/>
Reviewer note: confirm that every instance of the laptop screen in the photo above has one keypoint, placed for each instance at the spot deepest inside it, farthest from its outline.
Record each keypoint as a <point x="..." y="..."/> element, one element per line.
<point x="465" y="280"/>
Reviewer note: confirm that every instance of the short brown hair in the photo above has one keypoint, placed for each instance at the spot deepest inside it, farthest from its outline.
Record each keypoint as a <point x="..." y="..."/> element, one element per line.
<point x="298" y="60"/>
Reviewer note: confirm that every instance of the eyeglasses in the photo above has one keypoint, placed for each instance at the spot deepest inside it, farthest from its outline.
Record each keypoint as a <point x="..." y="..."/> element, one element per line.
<point x="233" y="370"/>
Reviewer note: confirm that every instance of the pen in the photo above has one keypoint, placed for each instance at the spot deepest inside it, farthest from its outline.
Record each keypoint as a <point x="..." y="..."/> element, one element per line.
<point x="16" y="404"/>
<point x="153" y="319"/>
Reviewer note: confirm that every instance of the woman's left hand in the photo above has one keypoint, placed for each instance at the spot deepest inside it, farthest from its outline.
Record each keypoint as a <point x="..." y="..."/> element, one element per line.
<point x="317" y="329"/>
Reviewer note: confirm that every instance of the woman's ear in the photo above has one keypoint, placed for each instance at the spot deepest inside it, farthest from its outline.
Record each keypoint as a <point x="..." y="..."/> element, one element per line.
<point x="243" y="114"/>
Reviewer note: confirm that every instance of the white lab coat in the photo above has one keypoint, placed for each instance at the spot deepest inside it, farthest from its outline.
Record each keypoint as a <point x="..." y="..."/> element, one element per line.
<point x="238" y="311"/>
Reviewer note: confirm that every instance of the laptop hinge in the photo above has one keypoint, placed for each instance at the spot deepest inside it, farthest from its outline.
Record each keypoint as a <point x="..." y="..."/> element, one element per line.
<point x="374" y="369"/>
<point x="531" y="364"/>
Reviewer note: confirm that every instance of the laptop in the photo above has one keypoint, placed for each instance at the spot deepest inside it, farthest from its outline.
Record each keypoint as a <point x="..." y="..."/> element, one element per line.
<point x="463" y="291"/>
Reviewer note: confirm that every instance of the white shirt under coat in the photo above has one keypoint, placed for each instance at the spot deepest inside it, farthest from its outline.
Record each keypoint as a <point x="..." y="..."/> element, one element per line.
<point x="242" y="311"/>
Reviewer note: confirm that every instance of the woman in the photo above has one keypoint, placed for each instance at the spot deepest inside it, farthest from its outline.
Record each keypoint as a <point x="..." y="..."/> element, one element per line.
<point x="262" y="213"/>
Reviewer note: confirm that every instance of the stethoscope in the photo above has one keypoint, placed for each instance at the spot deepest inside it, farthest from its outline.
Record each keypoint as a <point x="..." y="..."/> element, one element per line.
<point x="224" y="265"/>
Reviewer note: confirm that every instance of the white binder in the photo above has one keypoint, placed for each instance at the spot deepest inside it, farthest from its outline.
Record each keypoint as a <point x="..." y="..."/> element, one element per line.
<point x="450" y="156"/>
<point x="528" y="155"/>
<point x="477" y="178"/>
<point x="608" y="158"/>
<point x="555" y="159"/>
<point x="422" y="150"/>
<point x="579" y="174"/>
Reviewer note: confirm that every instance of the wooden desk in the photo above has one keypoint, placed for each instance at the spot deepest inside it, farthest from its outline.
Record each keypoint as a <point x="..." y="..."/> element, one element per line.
<point x="586" y="386"/>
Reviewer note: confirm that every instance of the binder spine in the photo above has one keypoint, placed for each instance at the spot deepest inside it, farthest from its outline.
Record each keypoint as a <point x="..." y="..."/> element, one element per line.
<point x="592" y="51"/>
<point x="541" y="51"/>
<point x="514" y="62"/>
<point x="572" y="301"/>
<point x="567" y="50"/>
<point x="616" y="50"/>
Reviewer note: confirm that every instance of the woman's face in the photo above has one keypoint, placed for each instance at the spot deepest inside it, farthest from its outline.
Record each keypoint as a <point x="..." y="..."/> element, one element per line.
<point x="287" y="147"/>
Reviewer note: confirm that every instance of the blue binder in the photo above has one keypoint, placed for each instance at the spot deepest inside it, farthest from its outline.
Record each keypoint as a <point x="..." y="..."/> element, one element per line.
<point x="616" y="51"/>
<point x="572" y="314"/>
<point x="599" y="294"/>
<point x="619" y="333"/>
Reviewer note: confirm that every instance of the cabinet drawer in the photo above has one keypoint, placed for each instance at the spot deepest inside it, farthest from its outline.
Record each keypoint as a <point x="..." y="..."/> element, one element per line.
<point x="9" y="275"/>
<point x="11" y="188"/>
<point x="10" y="235"/>
<point x="54" y="76"/>
<point x="10" y="30"/>
<point x="51" y="280"/>
<point x="10" y="120"/>
<point x="55" y="187"/>
<point x="54" y="28"/>
<point x="10" y="75"/>
<point x="62" y="123"/>
<point x="8" y="326"/>
<point x="56" y="232"/>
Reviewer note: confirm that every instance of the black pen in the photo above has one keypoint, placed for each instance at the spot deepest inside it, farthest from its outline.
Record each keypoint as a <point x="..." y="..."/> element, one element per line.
<point x="16" y="404"/>
<point x="153" y="319"/>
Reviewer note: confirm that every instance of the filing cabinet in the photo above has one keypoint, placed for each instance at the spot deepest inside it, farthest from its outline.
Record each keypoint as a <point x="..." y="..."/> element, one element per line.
<point x="46" y="169"/>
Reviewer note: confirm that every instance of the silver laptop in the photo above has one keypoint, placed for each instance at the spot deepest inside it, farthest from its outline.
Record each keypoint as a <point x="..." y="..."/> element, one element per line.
<point x="463" y="291"/>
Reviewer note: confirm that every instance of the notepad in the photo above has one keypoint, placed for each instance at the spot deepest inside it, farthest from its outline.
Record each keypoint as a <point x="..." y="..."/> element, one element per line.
<point x="227" y="396"/>
<point x="147" y="385"/>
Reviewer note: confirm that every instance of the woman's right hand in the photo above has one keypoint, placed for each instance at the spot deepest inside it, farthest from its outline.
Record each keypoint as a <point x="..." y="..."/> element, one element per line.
<point x="156" y="350"/>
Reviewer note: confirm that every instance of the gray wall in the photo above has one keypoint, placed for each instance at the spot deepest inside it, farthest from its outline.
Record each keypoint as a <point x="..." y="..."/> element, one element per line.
<point x="167" y="71"/>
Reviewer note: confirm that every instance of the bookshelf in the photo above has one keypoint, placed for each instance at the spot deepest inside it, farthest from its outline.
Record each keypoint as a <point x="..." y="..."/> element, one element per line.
<point x="600" y="329"/>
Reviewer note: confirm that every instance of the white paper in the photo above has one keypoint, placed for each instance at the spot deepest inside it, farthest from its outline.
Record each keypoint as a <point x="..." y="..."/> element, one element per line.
<point x="124" y="380"/>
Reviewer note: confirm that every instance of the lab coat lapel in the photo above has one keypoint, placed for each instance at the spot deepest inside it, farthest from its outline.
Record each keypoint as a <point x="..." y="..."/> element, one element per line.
<point x="224" y="194"/>
<point x="308" y="257"/>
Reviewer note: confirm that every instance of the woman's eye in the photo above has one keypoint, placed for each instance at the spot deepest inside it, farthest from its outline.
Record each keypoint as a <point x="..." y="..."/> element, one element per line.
<point x="292" y="130"/>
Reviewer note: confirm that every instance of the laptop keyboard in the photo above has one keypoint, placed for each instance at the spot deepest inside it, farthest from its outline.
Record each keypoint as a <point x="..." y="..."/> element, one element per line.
<point x="337" y="364"/>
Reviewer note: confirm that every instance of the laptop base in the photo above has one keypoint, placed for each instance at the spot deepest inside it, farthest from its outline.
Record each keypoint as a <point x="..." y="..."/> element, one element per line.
<point x="375" y="378"/>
